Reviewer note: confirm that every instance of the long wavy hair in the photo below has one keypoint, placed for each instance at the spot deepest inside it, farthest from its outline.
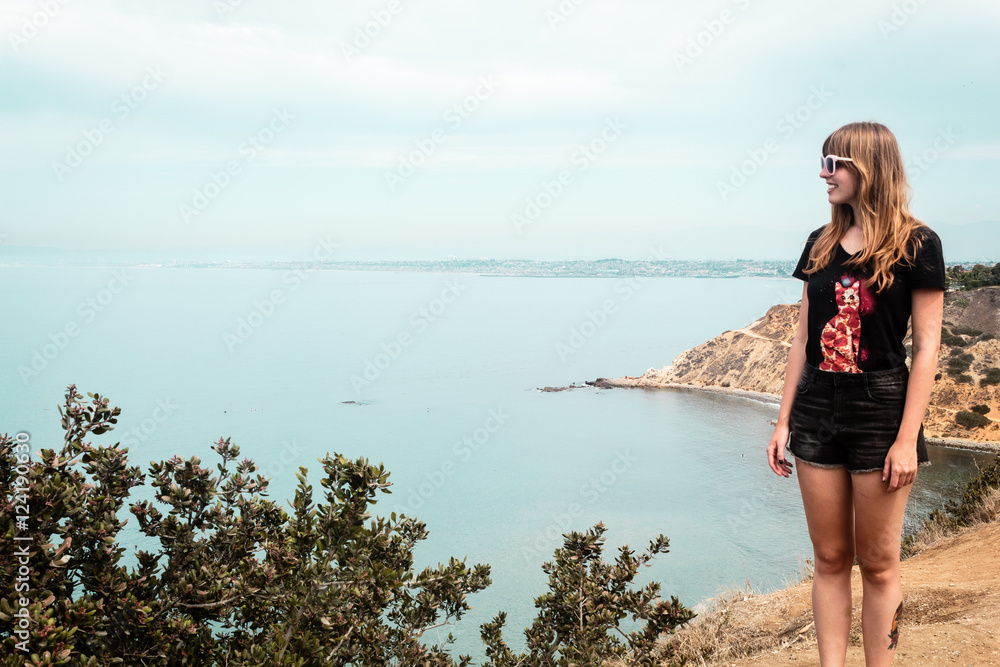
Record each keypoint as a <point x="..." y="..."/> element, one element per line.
<point x="891" y="232"/>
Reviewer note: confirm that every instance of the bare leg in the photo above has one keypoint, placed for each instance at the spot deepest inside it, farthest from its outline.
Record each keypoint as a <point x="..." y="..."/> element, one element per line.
<point x="827" y="498"/>
<point x="879" y="527"/>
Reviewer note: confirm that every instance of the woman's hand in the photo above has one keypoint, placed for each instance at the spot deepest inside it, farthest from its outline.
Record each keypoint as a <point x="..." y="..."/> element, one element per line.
<point x="900" y="465"/>
<point x="776" y="452"/>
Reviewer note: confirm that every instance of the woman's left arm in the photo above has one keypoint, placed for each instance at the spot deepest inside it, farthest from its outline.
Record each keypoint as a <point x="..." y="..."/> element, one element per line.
<point x="927" y="313"/>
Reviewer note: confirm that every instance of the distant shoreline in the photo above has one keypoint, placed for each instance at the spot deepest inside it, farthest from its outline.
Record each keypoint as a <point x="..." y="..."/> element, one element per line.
<point x="515" y="268"/>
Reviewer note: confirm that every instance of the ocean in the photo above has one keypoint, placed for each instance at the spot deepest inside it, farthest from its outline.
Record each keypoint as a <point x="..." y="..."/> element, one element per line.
<point x="436" y="376"/>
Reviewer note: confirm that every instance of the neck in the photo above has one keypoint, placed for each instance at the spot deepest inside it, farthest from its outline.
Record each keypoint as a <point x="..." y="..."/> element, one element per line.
<point x="856" y="218"/>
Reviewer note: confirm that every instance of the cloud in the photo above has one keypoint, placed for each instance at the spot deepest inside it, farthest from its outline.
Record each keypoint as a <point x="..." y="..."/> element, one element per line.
<point x="557" y="81"/>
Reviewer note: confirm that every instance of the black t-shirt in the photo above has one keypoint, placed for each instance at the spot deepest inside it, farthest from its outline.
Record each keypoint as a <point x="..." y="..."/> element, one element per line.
<point x="851" y="328"/>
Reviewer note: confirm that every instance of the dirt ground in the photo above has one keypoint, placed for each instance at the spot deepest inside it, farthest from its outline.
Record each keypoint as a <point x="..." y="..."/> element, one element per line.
<point x="951" y="609"/>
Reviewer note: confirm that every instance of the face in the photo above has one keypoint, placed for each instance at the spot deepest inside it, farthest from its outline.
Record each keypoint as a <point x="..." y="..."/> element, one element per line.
<point x="841" y="186"/>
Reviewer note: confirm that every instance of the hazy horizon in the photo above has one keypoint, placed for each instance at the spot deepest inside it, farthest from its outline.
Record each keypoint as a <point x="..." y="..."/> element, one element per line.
<point x="452" y="127"/>
<point x="972" y="243"/>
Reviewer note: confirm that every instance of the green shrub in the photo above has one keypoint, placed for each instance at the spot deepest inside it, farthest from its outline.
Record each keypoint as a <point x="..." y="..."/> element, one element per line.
<point x="976" y="492"/>
<point x="959" y="363"/>
<point x="954" y="341"/>
<point x="234" y="580"/>
<point x="970" y="419"/>
<point x="992" y="376"/>
<point x="587" y="599"/>
<point x="980" y="409"/>
<point x="966" y="331"/>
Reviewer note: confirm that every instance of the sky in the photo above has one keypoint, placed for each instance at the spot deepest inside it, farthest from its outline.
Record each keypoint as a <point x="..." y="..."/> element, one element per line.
<point x="429" y="129"/>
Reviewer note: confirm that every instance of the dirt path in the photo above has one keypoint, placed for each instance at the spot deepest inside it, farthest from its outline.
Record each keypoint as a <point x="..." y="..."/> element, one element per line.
<point x="747" y="332"/>
<point x="951" y="609"/>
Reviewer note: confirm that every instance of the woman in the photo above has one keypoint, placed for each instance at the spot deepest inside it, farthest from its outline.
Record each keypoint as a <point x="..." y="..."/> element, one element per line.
<point x="851" y="411"/>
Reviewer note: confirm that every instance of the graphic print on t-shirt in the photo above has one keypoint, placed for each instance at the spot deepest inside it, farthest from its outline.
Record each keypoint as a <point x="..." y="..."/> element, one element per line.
<point x="840" y="340"/>
<point x="874" y="342"/>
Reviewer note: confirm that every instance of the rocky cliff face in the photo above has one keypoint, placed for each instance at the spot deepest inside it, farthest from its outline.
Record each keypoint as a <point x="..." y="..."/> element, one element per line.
<point x="754" y="359"/>
<point x="978" y="309"/>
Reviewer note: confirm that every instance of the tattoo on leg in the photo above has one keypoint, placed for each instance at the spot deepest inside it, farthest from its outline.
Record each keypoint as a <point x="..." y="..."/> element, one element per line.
<point x="894" y="634"/>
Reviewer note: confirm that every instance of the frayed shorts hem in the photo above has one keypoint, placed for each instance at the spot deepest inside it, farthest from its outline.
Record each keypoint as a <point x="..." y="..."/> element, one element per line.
<point x="830" y="466"/>
<point x="833" y="466"/>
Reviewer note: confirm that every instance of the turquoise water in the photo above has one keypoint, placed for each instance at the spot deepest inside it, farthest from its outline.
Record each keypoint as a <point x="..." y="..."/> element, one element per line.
<point x="442" y="371"/>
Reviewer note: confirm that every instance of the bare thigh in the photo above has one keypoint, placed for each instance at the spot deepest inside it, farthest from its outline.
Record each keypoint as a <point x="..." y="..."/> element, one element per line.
<point x="828" y="502"/>
<point x="879" y="520"/>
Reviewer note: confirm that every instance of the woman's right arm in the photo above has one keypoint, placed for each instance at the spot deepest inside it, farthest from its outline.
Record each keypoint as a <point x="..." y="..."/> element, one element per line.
<point x="793" y="373"/>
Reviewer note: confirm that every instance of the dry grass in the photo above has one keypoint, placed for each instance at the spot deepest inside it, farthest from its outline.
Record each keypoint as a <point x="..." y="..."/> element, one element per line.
<point x="739" y="623"/>
<point x="929" y="534"/>
<point x="939" y="528"/>
<point x="989" y="510"/>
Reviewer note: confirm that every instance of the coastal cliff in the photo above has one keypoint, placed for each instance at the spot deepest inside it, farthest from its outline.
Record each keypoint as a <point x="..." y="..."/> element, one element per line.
<point x="752" y="360"/>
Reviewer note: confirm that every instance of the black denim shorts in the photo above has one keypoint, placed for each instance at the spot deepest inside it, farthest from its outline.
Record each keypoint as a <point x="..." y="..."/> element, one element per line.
<point x="849" y="419"/>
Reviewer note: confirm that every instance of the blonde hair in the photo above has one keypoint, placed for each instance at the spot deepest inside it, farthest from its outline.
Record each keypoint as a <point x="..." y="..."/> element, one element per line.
<point x="883" y="204"/>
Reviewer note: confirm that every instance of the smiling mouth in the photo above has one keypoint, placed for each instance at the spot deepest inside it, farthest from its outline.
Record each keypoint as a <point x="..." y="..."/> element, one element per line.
<point x="831" y="188"/>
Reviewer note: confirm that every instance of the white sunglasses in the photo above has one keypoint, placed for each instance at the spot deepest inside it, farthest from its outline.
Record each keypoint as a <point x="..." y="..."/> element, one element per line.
<point x="830" y="162"/>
